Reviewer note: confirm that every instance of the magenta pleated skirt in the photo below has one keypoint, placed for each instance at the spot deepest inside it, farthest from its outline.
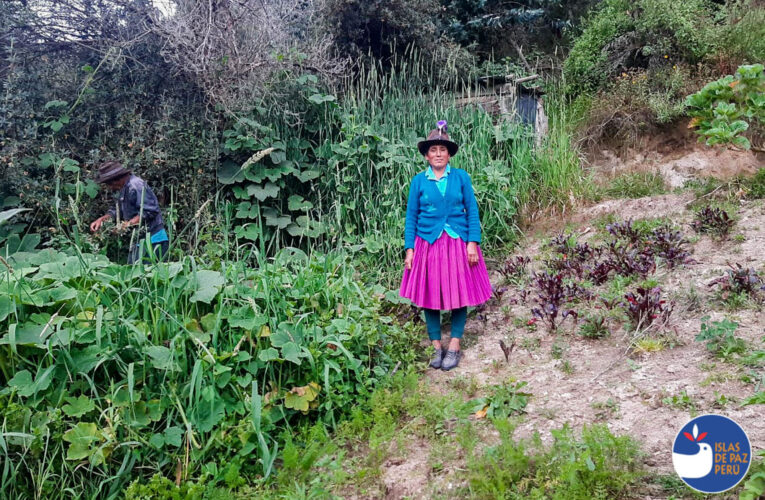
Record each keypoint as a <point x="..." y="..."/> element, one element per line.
<point x="441" y="277"/>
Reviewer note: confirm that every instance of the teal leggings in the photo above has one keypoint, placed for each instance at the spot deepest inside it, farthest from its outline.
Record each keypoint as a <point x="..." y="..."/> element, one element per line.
<point x="433" y="322"/>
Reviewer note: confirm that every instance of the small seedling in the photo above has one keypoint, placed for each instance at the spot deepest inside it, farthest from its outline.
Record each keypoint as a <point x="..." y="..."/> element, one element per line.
<point x="605" y="410"/>
<point x="594" y="327"/>
<point x="648" y="345"/>
<point x="721" y="400"/>
<point x="680" y="401"/>
<point x="566" y="367"/>
<point x="531" y="344"/>
<point x="505" y="400"/>
<point x="557" y="350"/>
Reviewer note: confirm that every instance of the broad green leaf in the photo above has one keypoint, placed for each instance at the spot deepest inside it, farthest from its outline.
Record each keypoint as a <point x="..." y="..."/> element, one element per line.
<point x="84" y="439"/>
<point x="209" y="411"/>
<point x="270" y="190"/>
<point x="69" y="165"/>
<point x="280" y="338"/>
<point x="61" y="270"/>
<point x="173" y="436"/>
<point x="28" y="334"/>
<point x="55" y="104"/>
<point x="296" y="202"/>
<point x="6" y="307"/>
<point x="321" y="98"/>
<point x="248" y="232"/>
<point x="138" y="415"/>
<point x="230" y="172"/>
<point x="299" y="398"/>
<point x="85" y="360"/>
<point x="304" y="226"/>
<point x="244" y="317"/>
<point x="269" y="354"/>
<point x="122" y="397"/>
<point x="274" y="219"/>
<point x="161" y="357"/>
<point x="244" y="381"/>
<point x="207" y="284"/>
<point x="22" y="382"/>
<point x="307" y="175"/>
<point x="7" y="214"/>
<point x="246" y="210"/>
<point x="278" y="156"/>
<point x="209" y="322"/>
<point x="14" y="244"/>
<point x="291" y="352"/>
<point x="157" y="441"/>
<point x="77" y="407"/>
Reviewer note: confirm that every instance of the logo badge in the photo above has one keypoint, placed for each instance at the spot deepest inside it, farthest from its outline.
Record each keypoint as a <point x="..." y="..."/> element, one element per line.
<point x="711" y="453"/>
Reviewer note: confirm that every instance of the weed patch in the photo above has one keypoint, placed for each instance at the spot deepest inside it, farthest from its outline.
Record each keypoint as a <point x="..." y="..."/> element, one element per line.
<point x="597" y="465"/>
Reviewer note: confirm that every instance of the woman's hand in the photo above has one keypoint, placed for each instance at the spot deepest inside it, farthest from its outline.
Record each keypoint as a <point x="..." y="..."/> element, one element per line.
<point x="409" y="259"/>
<point x="472" y="253"/>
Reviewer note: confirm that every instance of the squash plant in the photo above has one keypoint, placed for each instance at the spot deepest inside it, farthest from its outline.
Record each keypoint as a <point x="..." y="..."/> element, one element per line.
<point x="725" y="109"/>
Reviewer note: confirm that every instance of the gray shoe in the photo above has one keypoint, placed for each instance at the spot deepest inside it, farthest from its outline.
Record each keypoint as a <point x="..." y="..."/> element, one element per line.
<point x="451" y="360"/>
<point x="437" y="359"/>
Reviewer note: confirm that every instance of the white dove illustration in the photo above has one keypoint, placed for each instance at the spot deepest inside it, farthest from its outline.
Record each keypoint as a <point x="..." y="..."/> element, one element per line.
<point x="694" y="466"/>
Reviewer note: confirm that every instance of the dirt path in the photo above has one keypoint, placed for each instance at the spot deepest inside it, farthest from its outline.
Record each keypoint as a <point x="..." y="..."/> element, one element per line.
<point x="577" y="381"/>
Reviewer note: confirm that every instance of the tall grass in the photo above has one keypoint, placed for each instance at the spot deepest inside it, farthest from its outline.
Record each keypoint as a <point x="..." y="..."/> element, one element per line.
<point x="371" y="157"/>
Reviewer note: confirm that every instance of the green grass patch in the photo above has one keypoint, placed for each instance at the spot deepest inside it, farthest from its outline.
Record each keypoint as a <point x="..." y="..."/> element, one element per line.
<point x="635" y="185"/>
<point x="595" y="465"/>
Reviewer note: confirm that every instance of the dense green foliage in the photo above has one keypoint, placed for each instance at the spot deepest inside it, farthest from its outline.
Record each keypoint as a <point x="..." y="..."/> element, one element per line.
<point x="724" y="109"/>
<point x="273" y="323"/>
<point x="347" y="185"/>
<point x="110" y="369"/>
<point x="634" y="63"/>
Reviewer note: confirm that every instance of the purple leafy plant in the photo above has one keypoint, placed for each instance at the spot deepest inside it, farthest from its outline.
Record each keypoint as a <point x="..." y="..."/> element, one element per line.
<point x="646" y="306"/>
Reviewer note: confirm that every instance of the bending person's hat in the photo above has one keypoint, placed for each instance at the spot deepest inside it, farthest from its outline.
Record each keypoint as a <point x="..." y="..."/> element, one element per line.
<point x="111" y="170"/>
<point x="438" y="136"/>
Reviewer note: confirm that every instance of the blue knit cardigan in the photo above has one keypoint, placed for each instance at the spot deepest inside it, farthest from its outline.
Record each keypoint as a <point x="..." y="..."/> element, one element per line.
<point x="427" y="211"/>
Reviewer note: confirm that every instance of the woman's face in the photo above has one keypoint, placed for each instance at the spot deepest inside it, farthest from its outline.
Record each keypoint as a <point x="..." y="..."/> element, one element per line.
<point x="438" y="156"/>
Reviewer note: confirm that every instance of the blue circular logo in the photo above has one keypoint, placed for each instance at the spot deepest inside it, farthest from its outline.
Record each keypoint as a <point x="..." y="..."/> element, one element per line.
<point x="711" y="453"/>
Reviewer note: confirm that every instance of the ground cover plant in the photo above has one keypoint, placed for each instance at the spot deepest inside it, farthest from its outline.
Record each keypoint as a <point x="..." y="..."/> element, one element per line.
<point x="598" y="465"/>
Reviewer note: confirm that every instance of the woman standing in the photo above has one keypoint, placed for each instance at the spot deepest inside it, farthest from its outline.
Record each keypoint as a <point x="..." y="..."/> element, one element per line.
<point x="444" y="267"/>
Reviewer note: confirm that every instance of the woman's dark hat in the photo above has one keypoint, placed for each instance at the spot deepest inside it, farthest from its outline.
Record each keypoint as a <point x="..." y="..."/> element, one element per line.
<point x="438" y="136"/>
<point x="111" y="170"/>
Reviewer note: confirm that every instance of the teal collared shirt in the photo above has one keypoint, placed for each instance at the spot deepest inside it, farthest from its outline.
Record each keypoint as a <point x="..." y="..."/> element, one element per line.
<point x="441" y="185"/>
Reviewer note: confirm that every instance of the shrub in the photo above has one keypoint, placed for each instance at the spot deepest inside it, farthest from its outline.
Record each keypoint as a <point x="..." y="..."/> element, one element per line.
<point x="621" y="36"/>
